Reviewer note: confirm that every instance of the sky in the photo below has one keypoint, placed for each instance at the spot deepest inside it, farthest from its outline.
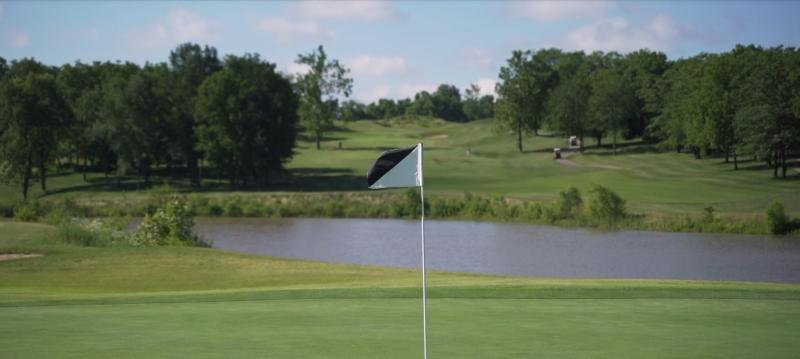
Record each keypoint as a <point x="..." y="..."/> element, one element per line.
<point x="393" y="48"/>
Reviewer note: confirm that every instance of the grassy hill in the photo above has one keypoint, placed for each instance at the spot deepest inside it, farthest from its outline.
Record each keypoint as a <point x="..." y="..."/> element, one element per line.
<point x="475" y="157"/>
<point x="177" y="302"/>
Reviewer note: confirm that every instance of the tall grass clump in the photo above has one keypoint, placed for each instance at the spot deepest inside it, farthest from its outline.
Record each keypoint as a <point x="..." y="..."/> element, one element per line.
<point x="605" y="205"/>
<point x="569" y="203"/>
<point x="778" y="222"/>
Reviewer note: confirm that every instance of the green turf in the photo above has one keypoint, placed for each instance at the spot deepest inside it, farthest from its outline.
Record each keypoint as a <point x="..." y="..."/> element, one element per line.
<point x="651" y="181"/>
<point x="195" y="302"/>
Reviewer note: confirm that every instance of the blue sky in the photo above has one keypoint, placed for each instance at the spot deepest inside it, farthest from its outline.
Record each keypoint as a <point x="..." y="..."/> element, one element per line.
<point x="393" y="48"/>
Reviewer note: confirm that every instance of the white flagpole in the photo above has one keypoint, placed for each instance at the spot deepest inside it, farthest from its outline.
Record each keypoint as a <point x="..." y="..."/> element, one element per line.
<point x="424" y="284"/>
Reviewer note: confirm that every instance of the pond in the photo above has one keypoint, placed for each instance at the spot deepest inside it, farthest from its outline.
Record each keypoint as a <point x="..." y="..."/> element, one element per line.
<point x="514" y="249"/>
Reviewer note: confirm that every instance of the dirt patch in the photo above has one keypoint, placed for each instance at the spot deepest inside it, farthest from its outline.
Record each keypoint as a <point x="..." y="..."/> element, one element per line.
<point x="10" y="256"/>
<point x="438" y="137"/>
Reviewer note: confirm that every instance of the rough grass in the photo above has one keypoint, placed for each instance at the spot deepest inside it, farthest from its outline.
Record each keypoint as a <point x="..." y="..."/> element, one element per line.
<point x="199" y="302"/>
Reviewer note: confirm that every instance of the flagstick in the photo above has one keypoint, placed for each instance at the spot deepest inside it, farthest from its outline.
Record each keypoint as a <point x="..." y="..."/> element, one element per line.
<point x="424" y="284"/>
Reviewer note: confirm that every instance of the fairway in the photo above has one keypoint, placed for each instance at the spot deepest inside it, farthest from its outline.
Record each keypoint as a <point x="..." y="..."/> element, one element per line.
<point x="77" y="302"/>
<point x="475" y="157"/>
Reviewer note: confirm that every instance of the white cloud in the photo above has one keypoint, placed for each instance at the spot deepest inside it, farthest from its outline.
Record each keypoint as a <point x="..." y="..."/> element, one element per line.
<point x="285" y="31"/>
<point x="558" y="10"/>
<point x="297" y="69"/>
<point x="477" y="57"/>
<point x="377" y="65"/>
<point x="16" y="38"/>
<point x="409" y="90"/>
<point x="487" y="86"/>
<point x="346" y="10"/>
<point x="618" y="34"/>
<point x="180" y="26"/>
<point x="375" y="93"/>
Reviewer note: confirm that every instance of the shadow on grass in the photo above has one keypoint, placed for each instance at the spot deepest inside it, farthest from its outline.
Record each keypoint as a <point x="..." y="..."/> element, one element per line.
<point x="627" y="148"/>
<point x="296" y="179"/>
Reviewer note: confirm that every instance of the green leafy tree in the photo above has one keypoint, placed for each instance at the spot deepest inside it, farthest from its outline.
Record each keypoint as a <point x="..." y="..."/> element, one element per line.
<point x="525" y="84"/>
<point x="318" y="87"/>
<point x="32" y="115"/>
<point x="139" y="109"/>
<point x="422" y="105"/>
<point x="475" y="106"/>
<point x="567" y="105"/>
<point x="191" y="64"/>
<point x="610" y="104"/>
<point x="80" y="85"/>
<point x="447" y="103"/>
<point x="248" y="119"/>
<point x="643" y="69"/>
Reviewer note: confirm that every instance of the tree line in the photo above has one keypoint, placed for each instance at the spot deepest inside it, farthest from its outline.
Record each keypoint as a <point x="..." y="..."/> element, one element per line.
<point x="745" y="102"/>
<point x="446" y="103"/>
<point x="237" y="115"/>
<point x="198" y="115"/>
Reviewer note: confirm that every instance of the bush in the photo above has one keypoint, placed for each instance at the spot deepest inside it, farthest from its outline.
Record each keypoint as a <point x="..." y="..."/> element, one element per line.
<point x="777" y="220"/>
<point x="28" y="212"/>
<point x="569" y="203"/>
<point x="606" y="205"/>
<point x="169" y="225"/>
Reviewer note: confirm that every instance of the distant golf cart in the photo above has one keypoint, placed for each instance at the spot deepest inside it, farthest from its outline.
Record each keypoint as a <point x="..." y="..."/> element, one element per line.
<point x="574" y="142"/>
<point x="556" y="153"/>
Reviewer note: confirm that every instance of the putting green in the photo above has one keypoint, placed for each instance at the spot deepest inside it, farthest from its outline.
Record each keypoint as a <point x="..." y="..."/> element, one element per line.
<point x="390" y="328"/>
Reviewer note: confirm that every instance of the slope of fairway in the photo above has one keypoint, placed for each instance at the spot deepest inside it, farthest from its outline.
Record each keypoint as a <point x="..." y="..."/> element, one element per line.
<point x="475" y="157"/>
<point x="648" y="179"/>
<point x="192" y="302"/>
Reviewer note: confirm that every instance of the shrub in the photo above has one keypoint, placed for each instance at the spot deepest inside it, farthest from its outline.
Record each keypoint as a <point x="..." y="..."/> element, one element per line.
<point x="606" y="205"/>
<point x="169" y="225"/>
<point x="27" y="212"/>
<point x="569" y="203"/>
<point x="777" y="220"/>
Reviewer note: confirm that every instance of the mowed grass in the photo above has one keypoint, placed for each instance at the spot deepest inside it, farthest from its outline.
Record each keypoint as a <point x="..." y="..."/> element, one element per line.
<point x="475" y="157"/>
<point x="193" y="302"/>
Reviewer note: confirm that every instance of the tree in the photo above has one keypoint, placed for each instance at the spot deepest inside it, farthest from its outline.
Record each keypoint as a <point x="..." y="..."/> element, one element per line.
<point x="422" y="105"/>
<point x="567" y="104"/>
<point x="475" y="106"/>
<point x="32" y="114"/>
<point x="447" y="103"/>
<point x="610" y="104"/>
<point x="191" y="65"/>
<point x="139" y="108"/>
<point x="351" y="110"/>
<point x="79" y="84"/>
<point x="525" y="84"/>
<point x="248" y="119"/>
<point x="513" y="106"/>
<point x="642" y="70"/>
<point x="318" y="87"/>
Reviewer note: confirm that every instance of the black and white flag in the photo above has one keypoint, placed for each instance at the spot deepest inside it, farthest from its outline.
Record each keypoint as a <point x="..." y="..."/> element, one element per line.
<point x="400" y="167"/>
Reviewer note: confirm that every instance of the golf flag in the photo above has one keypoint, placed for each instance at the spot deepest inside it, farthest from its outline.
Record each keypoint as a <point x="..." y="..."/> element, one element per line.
<point x="400" y="167"/>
